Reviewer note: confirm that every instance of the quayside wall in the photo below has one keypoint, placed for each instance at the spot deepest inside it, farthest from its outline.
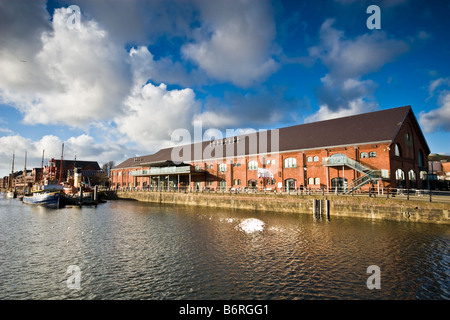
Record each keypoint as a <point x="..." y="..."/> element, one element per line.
<point x="326" y="205"/>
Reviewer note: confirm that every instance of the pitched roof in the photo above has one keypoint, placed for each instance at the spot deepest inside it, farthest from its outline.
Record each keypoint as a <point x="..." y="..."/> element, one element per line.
<point x="84" y="165"/>
<point x="378" y="126"/>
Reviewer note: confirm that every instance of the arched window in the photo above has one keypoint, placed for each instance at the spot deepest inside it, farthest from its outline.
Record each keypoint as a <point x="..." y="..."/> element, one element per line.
<point x="290" y="163"/>
<point x="316" y="159"/>
<point x="363" y="155"/>
<point x="372" y="154"/>
<point x="222" y="167"/>
<point x="317" y="181"/>
<point x="253" y="165"/>
<point x="309" y="159"/>
<point x="398" y="150"/>
<point x="311" y="181"/>
<point x="412" y="179"/>
<point x="400" y="178"/>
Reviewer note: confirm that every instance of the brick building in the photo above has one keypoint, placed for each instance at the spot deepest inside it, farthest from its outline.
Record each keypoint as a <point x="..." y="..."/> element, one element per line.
<point x="381" y="149"/>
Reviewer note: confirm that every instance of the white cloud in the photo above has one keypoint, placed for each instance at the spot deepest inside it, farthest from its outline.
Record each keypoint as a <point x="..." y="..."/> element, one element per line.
<point x="234" y="42"/>
<point x="436" y="84"/>
<point x="343" y="91"/>
<point x="437" y="119"/>
<point x="76" y="76"/>
<point x="152" y="112"/>
<point x="355" y="106"/>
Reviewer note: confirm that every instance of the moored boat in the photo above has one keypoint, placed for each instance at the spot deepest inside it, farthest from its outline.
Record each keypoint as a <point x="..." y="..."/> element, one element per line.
<point x="11" y="194"/>
<point x="46" y="199"/>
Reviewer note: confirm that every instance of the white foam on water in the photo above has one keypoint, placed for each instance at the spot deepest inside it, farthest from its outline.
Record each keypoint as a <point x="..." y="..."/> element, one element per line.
<point x="251" y="225"/>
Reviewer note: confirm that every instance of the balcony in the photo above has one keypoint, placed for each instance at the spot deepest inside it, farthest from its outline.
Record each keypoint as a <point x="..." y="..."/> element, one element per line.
<point x="156" y="171"/>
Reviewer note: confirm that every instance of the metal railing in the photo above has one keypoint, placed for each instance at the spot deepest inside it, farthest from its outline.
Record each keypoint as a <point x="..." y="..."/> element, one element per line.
<point x="344" y="160"/>
<point x="160" y="171"/>
<point x="386" y="193"/>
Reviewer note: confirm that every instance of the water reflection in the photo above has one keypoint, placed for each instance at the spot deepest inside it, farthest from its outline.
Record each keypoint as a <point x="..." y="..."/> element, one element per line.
<point x="132" y="250"/>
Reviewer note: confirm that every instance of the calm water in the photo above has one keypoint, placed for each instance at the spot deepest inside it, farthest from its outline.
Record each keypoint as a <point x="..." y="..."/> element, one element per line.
<point x="132" y="250"/>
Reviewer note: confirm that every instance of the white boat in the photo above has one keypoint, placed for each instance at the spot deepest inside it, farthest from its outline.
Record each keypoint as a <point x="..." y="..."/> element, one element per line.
<point x="11" y="194"/>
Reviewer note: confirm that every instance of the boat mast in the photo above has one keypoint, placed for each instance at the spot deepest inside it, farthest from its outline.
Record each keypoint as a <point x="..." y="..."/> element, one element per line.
<point x="12" y="174"/>
<point x="61" y="164"/>
<point x="42" y="166"/>
<point x="25" y="173"/>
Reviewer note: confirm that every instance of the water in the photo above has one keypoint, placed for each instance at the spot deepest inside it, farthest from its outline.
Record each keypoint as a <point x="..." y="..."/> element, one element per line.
<point x="132" y="250"/>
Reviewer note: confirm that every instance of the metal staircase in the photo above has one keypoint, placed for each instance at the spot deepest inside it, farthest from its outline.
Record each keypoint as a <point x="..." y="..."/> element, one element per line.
<point x="369" y="174"/>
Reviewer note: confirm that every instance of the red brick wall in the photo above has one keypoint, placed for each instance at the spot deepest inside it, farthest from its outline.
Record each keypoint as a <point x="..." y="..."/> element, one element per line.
<point x="383" y="158"/>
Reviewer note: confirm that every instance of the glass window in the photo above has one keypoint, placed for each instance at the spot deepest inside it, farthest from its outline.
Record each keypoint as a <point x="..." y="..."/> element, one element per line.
<point x="290" y="163"/>
<point x="372" y="154"/>
<point x="398" y="151"/>
<point x="363" y="155"/>
<point x="253" y="165"/>
<point x="317" y="181"/>
<point x="420" y="158"/>
<point x="316" y="159"/>
<point x="309" y="159"/>
<point x="223" y="167"/>
<point x="311" y="181"/>
<point x="239" y="182"/>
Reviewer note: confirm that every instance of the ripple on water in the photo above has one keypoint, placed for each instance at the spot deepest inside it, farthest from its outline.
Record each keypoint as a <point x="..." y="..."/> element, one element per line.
<point x="129" y="250"/>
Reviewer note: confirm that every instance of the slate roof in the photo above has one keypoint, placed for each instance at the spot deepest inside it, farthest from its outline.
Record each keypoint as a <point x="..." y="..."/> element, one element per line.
<point x="378" y="126"/>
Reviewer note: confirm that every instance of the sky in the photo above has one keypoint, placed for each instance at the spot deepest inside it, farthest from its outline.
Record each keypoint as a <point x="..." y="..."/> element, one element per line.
<point x="114" y="79"/>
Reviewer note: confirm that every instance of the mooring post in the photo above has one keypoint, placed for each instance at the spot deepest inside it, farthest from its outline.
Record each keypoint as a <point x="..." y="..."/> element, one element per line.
<point x="320" y="208"/>
<point x="95" y="193"/>
<point x="327" y="209"/>
<point x="314" y="208"/>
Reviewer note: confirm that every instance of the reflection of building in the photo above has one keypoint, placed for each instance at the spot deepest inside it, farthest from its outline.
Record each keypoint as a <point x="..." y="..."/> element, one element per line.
<point x="384" y="148"/>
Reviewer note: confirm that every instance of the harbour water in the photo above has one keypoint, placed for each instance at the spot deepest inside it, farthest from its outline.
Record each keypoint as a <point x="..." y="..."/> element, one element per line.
<point x="133" y="250"/>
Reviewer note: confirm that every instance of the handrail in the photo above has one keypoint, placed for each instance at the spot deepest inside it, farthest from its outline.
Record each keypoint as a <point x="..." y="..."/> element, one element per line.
<point x="344" y="160"/>
<point x="161" y="170"/>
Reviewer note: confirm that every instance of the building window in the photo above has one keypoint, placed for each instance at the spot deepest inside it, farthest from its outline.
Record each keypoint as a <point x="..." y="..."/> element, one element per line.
<point x="316" y="159"/>
<point x="239" y="182"/>
<point x="253" y="165"/>
<point x="290" y="163"/>
<point x="400" y="178"/>
<point x="412" y="179"/>
<point x="222" y="167"/>
<point x="317" y="181"/>
<point x="398" y="150"/>
<point x="363" y="155"/>
<point x="235" y="182"/>
<point x="311" y="181"/>
<point x="372" y="154"/>
<point x="309" y="159"/>
<point x="420" y="158"/>
<point x="198" y="168"/>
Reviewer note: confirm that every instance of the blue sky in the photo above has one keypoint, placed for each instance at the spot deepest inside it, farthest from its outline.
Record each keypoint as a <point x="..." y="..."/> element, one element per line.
<point x="118" y="83"/>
